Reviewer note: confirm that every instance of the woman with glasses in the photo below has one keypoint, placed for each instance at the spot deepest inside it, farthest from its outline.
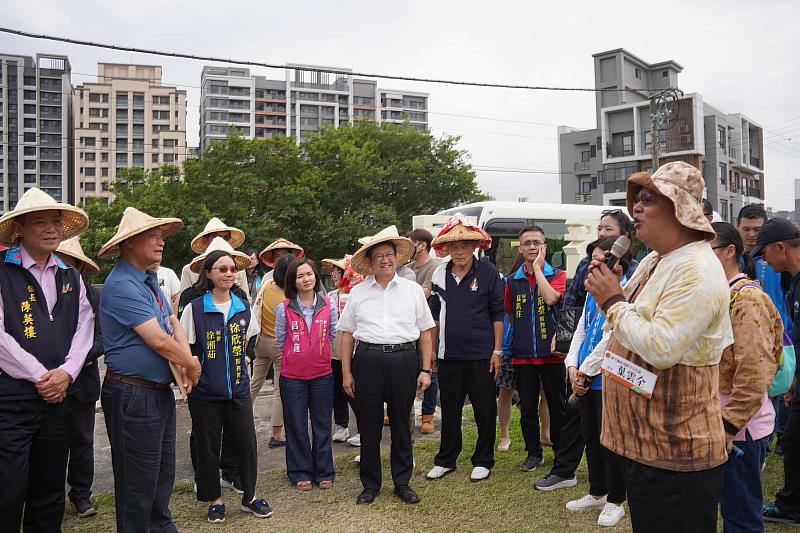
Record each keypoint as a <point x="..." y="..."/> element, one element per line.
<point x="218" y="325"/>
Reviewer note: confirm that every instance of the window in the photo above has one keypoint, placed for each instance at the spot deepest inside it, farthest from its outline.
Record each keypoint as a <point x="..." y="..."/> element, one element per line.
<point x="104" y="173"/>
<point x="169" y="158"/>
<point x="637" y="73"/>
<point x="89" y="156"/>
<point x="723" y="173"/>
<point x="29" y="150"/>
<point x="89" y="186"/>
<point x="122" y="143"/>
<point x="30" y="95"/>
<point x="29" y="123"/>
<point x="154" y="159"/>
<point x="586" y="187"/>
<point x="723" y="209"/>
<point x="585" y="156"/>
<point x="627" y="144"/>
<point x="104" y="157"/>
<point x="30" y="109"/>
<point x="29" y="137"/>
<point x="90" y="171"/>
<point x="665" y="74"/>
<point x="122" y="129"/>
<point x="155" y="143"/>
<point x="122" y="159"/>
<point x="592" y="151"/>
<point x="721" y="134"/>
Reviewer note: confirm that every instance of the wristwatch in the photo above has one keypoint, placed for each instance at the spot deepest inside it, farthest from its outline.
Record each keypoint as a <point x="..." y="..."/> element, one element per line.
<point x="426" y="370"/>
<point x="497" y="352"/>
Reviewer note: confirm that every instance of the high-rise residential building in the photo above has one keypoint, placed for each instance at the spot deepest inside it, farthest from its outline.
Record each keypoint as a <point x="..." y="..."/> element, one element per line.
<point x="595" y="164"/>
<point x="35" y="127"/>
<point x="298" y="105"/>
<point x="126" y="119"/>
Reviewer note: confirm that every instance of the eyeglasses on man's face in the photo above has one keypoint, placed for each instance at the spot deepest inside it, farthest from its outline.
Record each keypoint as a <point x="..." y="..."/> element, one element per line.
<point x="529" y="244"/>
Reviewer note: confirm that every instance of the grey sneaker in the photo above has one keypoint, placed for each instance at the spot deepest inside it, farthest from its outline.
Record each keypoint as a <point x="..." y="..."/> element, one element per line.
<point x="530" y="463"/>
<point x="554" y="482"/>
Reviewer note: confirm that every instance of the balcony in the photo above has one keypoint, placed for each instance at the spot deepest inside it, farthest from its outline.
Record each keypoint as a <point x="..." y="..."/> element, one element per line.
<point x="753" y="192"/>
<point x="619" y="149"/>
<point x="732" y="153"/>
<point x="582" y="166"/>
<point x="755" y="162"/>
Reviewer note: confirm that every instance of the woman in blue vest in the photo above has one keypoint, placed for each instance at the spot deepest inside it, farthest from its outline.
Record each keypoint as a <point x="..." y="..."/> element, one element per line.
<point x="217" y="325"/>
<point x="305" y="326"/>
<point x="606" y="470"/>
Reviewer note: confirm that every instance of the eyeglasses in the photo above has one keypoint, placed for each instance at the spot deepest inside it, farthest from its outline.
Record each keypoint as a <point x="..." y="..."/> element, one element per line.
<point x="225" y="269"/>
<point x="390" y="255"/>
<point x="646" y="197"/>
<point x="608" y="212"/>
<point x="528" y="244"/>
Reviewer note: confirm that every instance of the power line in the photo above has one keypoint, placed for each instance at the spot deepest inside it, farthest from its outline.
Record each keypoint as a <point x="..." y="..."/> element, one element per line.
<point x="181" y="55"/>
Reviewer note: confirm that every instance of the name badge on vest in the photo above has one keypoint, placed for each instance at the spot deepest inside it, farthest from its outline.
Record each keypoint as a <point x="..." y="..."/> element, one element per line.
<point x="629" y="375"/>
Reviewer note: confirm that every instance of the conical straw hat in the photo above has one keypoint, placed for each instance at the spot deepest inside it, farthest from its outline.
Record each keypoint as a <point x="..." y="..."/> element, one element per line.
<point x="215" y="225"/>
<point x="240" y="259"/>
<point x="74" y="218"/>
<point x="72" y="247"/>
<point x="135" y="222"/>
<point x="405" y="249"/>
<point x="268" y="254"/>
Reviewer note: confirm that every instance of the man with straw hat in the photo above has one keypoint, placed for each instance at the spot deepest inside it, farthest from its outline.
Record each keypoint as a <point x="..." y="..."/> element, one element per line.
<point x="46" y="331"/>
<point x="85" y="393"/>
<point x="214" y="228"/>
<point x="141" y="337"/>
<point x="389" y="318"/>
<point x="467" y="305"/>
<point x="276" y="249"/>
<point x="670" y="324"/>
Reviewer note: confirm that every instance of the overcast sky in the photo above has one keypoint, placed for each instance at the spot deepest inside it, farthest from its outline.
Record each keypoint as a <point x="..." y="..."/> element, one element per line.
<point x="740" y="55"/>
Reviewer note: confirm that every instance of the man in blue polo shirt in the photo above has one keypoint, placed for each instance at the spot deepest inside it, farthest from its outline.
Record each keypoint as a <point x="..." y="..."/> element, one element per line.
<point x="141" y="335"/>
<point x="467" y="305"/>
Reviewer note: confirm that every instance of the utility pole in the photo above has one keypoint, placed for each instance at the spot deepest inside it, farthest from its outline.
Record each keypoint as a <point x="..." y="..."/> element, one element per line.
<point x="653" y="133"/>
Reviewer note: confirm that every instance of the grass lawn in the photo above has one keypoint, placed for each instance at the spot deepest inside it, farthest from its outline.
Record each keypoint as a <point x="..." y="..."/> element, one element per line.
<point x="504" y="502"/>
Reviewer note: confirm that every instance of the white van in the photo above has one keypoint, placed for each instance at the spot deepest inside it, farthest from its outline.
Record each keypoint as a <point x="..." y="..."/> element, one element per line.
<point x="568" y="228"/>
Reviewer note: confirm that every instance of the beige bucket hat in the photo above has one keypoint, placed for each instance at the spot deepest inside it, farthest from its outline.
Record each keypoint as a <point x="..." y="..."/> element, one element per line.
<point x="240" y="259"/>
<point x="74" y="218"/>
<point x="72" y="247"/>
<point x="405" y="249"/>
<point x="135" y="222"/>
<point x="683" y="185"/>
<point x="268" y="254"/>
<point x="215" y="225"/>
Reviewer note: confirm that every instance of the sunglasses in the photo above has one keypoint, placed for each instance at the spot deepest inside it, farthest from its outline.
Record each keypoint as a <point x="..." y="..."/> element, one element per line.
<point x="610" y="212"/>
<point x="646" y="197"/>
<point x="225" y="269"/>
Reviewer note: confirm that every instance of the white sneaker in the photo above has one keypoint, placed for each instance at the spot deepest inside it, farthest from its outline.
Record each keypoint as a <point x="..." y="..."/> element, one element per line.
<point x="479" y="473"/>
<point x="341" y="434"/>
<point x="355" y="440"/>
<point x="611" y="514"/>
<point x="438" y="472"/>
<point x="585" y="503"/>
<point x="357" y="459"/>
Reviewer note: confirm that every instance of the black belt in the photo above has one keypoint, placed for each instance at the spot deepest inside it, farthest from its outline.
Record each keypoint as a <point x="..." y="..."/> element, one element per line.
<point x="387" y="348"/>
<point x="113" y="376"/>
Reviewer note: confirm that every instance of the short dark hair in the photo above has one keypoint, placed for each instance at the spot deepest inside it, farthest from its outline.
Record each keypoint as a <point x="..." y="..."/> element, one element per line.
<point x="622" y="220"/>
<point x="251" y="251"/>
<point x="707" y="208"/>
<point x="203" y="282"/>
<point x="281" y="266"/>
<point x="605" y="244"/>
<point x="532" y="227"/>
<point x="421" y="235"/>
<point x="752" y="211"/>
<point x="290" y="289"/>
<point x="727" y="236"/>
<point x="368" y="253"/>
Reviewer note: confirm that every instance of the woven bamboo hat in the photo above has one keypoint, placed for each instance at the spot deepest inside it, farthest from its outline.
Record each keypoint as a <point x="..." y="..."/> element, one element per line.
<point x="405" y="249"/>
<point x="72" y="247"/>
<point x="240" y="259"/>
<point x="329" y="264"/>
<point x="215" y="225"/>
<point x="268" y="254"/>
<point x="74" y="218"/>
<point x="135" y="222"/>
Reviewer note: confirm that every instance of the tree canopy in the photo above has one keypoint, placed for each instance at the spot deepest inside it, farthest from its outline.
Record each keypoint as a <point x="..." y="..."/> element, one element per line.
<point x="324" y="194"/>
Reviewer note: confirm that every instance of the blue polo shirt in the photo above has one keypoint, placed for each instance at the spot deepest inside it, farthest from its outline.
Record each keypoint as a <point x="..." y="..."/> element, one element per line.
<point x="129" y="300"/>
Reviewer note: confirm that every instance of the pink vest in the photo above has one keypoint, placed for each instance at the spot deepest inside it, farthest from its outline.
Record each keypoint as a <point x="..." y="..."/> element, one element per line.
<point x="307" y="354"/>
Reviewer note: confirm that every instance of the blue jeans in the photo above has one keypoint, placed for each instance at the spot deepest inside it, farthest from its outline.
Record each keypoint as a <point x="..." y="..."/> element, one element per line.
<point x="742" y="499"/>
<point x="429" y="396"/>
<point x="781" y="413"/>
<point x="308" y="460"/>
<point x="141" y="430"/>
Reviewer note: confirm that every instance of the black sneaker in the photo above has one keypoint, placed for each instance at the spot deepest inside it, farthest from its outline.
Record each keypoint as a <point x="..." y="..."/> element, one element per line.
<point x="530" y="463"/>
<point x="276" y="443"/>
<point x="773" y="514"/>
<point x="235" y="485"/>
<point x="258" y="507"/>
<point x="554" y="482"/>
<point x="216" y="513"/>
<point x="84" y="507"/>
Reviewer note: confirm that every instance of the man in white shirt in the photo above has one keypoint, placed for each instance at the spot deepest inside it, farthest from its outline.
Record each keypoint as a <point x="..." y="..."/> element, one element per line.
<point x="391" y="321"/>
<point x="169" y="283"/>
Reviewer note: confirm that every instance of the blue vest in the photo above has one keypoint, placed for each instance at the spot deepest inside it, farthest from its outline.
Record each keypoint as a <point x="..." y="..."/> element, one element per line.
<point x="220" y="344"/>
<point x="46" y="336"/>
<point x="532" y="320"/>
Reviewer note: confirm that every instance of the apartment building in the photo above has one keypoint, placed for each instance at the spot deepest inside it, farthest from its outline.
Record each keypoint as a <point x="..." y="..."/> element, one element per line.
<point x="126" y="119"/>
<point x="299" y="105"/>
<point x="595" y="164"/>
<point x="35" y="127"/>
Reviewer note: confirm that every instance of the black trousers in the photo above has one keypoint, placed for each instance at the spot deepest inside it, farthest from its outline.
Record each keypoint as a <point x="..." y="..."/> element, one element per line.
<point x="34" y="444"/>
<point x="571" y="444"/>
<point x="788" y="498"/>
<point x="664" y="501"/>
<point x="227" y="457"/>
<point x="341" y="401"/>
<point x="391" y="378"/>
<point x="606" y="469"/>
<point x="208" y="419"/>
<point x="551" y="379"/>
<point x="80" y="471"/>
<point x="457" y="379"/>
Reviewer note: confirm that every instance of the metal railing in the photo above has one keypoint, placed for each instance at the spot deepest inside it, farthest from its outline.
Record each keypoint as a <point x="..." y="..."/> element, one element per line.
<point x="582" y="166"/>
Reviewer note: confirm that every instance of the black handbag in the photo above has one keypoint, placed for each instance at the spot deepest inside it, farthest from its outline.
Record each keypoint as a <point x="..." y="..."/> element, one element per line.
<point x="566" y="324"/>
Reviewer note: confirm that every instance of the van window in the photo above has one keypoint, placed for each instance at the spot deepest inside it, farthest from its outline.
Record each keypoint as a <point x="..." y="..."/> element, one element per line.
<point x="505" y="241"/>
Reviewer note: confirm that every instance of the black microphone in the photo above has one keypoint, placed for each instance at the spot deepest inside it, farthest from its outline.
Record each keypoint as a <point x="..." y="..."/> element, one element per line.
<point x="620" y="248"/>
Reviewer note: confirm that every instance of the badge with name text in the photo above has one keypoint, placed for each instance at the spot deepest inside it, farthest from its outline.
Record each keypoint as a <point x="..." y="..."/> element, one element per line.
<point x="629" y="375"/>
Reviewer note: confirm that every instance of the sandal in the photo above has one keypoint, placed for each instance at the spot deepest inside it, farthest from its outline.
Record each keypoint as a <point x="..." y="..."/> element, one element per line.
<point x="303" y="485"/>
<point x="325" y="484"/>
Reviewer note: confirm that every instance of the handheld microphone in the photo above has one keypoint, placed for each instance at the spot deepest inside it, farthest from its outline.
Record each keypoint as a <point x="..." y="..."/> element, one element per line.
<point x="619" y="249"/>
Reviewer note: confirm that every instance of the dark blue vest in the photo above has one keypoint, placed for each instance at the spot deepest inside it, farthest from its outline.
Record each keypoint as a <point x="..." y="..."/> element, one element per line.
<point x="26" y="318"/>
<point x="533" y="322"/>
<point x="220" y="344"/>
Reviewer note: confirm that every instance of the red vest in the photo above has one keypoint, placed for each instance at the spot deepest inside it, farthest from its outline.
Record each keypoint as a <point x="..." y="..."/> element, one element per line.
<point x="307" y="354"/>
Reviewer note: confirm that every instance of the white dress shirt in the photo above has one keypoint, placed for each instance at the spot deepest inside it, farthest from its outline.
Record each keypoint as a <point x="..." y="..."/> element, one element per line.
<point x="394" y="315"/>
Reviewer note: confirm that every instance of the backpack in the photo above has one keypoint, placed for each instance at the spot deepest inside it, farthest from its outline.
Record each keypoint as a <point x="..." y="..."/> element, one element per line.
<point x="787" y="361"/>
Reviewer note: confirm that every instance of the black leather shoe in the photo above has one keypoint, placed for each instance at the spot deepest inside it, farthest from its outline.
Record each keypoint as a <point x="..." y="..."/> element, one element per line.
<point x="405" y="493"/>
<point x="367" y="496"/>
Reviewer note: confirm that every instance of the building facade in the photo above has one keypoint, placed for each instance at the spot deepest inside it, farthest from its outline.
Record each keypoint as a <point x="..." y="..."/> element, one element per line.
<point x="126" y="119"/>
<point x="35" y="127"/>
<point x="299" y="105"/>
<point x="595" y="164"/>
